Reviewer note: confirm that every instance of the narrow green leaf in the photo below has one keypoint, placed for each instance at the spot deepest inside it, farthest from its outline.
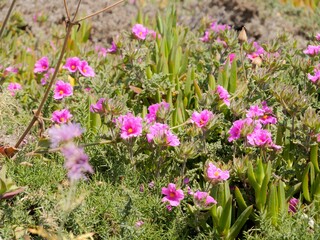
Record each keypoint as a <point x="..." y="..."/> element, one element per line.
<point x="239" y="223"/>
<point x="282" y="203"/>
<point x="305" y="184"/>
<point x="233" y="77"/>
<point x="314" y="156"/>
<point x="273" y="204"/>
<point x="211" y="82"/>
<point x="225" y="220"/>
<point x="240" y="200"/>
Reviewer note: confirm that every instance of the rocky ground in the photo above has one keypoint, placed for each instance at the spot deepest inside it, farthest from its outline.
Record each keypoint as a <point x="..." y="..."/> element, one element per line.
<point x="263" y="20"/>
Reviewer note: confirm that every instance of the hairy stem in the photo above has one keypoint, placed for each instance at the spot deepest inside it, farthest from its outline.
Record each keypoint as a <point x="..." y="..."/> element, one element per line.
<point x="7" y="17"/>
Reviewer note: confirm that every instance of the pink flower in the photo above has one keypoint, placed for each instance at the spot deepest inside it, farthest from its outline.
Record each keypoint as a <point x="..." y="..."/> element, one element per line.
<point x="77" y="161"/>
<point x="11" y="70"/>
<point x="161" y="134"/>
<point x="202" y="119"/>
<point x="206" y="37"/>
<point x="258" y="51"/>
<point x="231" y="57"/>
<point x="293" y="202"/>
<point x="261" y="138"/>
<point x="236" y="129"/>
<point x="64" y="133"/>
<point x="318" y="137"/>
<point x="131" y="126"/>
<point x="85" y="69"/>
<point x="203" y="199"/>
<point x="42" y="65"/>
<point x="153" y="34"/>
<point x="13" y="88"/>
<point x="72" y="64"/>
<point x="101" y="51"/>
<point x="316" y="77"/>
<point x="214" y="174"/>
<point x="318" y="36"/>
<point x="98" y="107"/>
<point x="267" y="117"/>
<point x="312" y="50"/>
<point x="223" y="95"/>
<point x="173" y="195"/>
<point x="139" y="223"/>
<point x="46" y="76"/>
<point x="113" y="48"/>
<point x="140" y="31"/>
<point x="62" y="90"/>
<point x="219" y="27"/>
<point x="61" y="116"/>
<point x="224" y="44"/>
<point x="158" y="109"/>
<point x="255" y="112"/>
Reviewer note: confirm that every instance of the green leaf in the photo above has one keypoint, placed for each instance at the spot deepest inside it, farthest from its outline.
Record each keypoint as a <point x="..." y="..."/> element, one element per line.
<point x="273" y="204"/>
<point x="225" y="220"/>
<point x="211" y="82"/>
<point x="239" y="223"/>
<point x="305" y="184"/>
<point x="282" y="198"/>
<point x="240" y="200"/>
<point x="252" y="179"/>
<point x="314" y="156"/>
<point x="233" y="78"/>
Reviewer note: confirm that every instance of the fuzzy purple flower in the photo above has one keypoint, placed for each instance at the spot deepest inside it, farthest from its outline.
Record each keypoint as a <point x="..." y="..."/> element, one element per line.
<point x="72" y="64"/>
<point x="62" y="90"/>
<point x="140" y="31"/>
<point x="64" y="133"/>
<point x="77" y="161"/>
<point x="42" y="65"/>
<point x="293" y="202"/>
<point x="202" y="119"/>
<point x="223" y="95"/>
<point x="61" y="116"/>
<point x="13" y="88"/>
<point x="173" y="196"/>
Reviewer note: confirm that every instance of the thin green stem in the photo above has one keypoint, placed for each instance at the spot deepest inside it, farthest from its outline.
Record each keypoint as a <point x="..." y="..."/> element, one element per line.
<point x="7" y="17"/>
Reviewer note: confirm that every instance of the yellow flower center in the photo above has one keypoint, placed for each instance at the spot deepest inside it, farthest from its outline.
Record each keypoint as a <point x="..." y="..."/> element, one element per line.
<point x="60" y="92"/>
<point x="130" y="130"/>
<point x="84" y="70"/>
<point x="265" y="117"/>
<point x="61" y="119"/>
<point x="73" y="67"/>
<point x="216" y="173"/>
<point x="172" y="194"/>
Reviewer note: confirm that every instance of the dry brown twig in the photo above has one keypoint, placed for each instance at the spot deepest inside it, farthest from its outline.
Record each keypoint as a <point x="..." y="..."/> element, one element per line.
<point x="69" y="25"/>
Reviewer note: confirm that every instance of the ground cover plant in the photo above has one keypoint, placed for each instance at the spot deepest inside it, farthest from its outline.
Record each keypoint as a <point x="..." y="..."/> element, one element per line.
<point x="167" y="133"/>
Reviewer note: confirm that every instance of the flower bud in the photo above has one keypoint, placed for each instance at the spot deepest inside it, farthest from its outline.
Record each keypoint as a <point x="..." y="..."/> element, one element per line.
<point x="242" y="37"/>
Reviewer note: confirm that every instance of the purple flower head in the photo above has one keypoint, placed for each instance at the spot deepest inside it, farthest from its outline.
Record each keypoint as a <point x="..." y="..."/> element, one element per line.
<point x="77" y="161"/>
<point x="61" y="116"/>
<point x="160" y="134"/>
<point x="62" y="90"/>
<point x="10" y="70"/>
<point x="13" y="88"/>
<point x="293" y="202"/>
<point x="203" y="199"/>
<point x="206" y="37"/>
<point x="214" y="174"/>
<point x="130" y="126"/>
<point x="173" y="195"/>
<point x="113" y="48"/>
<point x="312" y="50"/>
<point x="42" y="65"/>
<point x="64" y="133"/>
<point x="155" y="110"/>
<point x="202" y="119"/>
<point x="85" y="69"/>
<point x="218" y="27"/>
<point x="140" y="31"/>
<point x="72" y="64"/>
<point x="98" y="107"/>
<point x="223" y="95"/>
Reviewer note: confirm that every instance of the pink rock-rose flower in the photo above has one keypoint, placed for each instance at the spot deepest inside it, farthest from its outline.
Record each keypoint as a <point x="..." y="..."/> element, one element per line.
<point x="316" y="77"/>
<point x="153" y="109"/>
<point x="72" y="64"/>
<point x="140" y="31"/>
<point x="218" y="27"/>
<point x="160" y="134"/>
<point x="130" y="126"/>
<point x="202" y="119"/>
<point x="206" y="37"/>
<point x="173" y="196"/>
<point x="318" y="36"/>
<point x="62" y="90"/>
<point x="261" y="138"/>
<point x="42" y="65"/>
<point x="13" y="88"/>
<point x="267" y="117"/>
<point x="214" y="174"/>
<point x="258" y="51"/>
<point x="98" y="107"/>
<point x="242" y="128"/>
<point x="312" y="50"/>
<point x="85" y="69"/>
<point x="223" y="95"/>
<point x="113" y="48"/>
<point x="102" y="52"/>
<point x="61" y="116"/>
<point x="203" y="199"/>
